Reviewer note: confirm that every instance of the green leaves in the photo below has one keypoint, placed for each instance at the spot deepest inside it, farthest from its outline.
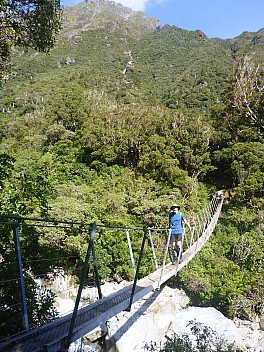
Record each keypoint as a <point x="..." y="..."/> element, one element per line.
<point x="24" y="192"/>
<point x="203" y="339"/>
<point x="165" y="146"/>
<point x="69" y="108"/>
<point x="6" y="165"/>
<point x="28" y="24"/>
<point x="244" y="164"/>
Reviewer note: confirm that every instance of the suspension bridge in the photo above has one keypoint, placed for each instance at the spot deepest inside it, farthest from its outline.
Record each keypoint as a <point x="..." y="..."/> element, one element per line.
<point x="57" y="335"/>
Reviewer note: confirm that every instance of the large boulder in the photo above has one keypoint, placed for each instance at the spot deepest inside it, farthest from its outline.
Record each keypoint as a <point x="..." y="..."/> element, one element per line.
<point x="166" y="312"/>
<point x="148" y="320"/>
<point x="208" y="317"/>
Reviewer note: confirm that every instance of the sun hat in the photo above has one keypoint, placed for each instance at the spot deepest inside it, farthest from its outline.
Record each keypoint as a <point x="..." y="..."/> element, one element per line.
<point x="175" y="206"/>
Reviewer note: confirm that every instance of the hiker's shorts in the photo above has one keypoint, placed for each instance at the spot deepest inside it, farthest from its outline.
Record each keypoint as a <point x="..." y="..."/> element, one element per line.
<point x="175" y="237"/>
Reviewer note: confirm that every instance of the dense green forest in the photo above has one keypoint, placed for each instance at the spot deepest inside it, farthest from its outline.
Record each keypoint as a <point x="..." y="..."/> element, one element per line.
<point x="122" y="118"/>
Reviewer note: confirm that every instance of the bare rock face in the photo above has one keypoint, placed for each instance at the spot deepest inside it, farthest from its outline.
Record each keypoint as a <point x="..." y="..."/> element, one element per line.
<point x="209" y="317"/>
<point x="149" y="320"/>
<point x="252" y="335"/>
<point x="166" y="312"/>
<point x="260" y="345"/>
<point x="261" y="323"/>
<point x="94" y="14"/>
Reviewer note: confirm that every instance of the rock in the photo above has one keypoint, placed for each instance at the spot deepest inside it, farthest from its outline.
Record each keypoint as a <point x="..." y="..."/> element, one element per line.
<point x="163" y="314"/>
<point x="209" y="317"/>
<point x="250" y="332"/>
<point x="96" y="334"/>
<point x="74" y="347"/>
<point x="149" y="320"/>
<point x="111" y="287"/>
<point x="64" y="305"/>
<point x="260" y="345"/>
<point x="89" y="294"/>
<point x="261" y="322"/>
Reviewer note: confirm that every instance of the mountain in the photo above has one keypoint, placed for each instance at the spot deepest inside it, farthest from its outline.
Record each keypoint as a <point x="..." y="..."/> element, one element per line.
<point x="134" y="58"/>
<point x="131" y="56"/>
<point x="94" y="14"/>
<point x="250" y="43"/>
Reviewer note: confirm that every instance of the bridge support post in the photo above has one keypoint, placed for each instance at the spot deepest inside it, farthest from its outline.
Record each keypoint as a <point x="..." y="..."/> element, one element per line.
<point x="84" y="274"/>
<point x="25" y="324"/>
<point x="130" y="251"/>
<point x="97" y="277"/>
<point x="137" y="271"/>
<point x="153" y="250"/>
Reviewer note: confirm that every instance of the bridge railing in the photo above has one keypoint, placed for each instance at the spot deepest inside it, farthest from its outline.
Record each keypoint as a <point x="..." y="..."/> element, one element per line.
<point x="142" y="244"/>
<point x="23" y="262"/>
<point x="26" y="260"/>
<point x="201" y="227"/>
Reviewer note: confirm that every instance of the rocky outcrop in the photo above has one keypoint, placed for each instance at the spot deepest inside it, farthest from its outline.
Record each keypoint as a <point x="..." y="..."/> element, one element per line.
<point x="149" y="320"/>
<point x="159" y="314"/>
<point x="94" y="14"/>
<point x="166" y="312"/>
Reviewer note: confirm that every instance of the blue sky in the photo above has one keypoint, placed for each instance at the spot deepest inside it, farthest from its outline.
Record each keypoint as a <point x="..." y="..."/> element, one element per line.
<point x="216" y="18"/>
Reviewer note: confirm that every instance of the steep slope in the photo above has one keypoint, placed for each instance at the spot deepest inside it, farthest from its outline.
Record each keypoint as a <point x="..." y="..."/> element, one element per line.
<point x="183" y="68"/>
<point x="94" y="14"/>
<point x="249" y="43"/>
<point x="130" y="56"/>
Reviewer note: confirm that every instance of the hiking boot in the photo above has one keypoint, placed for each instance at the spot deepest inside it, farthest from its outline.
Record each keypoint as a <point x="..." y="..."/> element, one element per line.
<point x="174" y="256"/>
<point x="174" y="259"/>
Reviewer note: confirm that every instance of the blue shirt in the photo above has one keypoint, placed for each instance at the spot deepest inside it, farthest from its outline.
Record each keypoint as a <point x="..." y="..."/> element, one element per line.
<point x="176" y="222"/>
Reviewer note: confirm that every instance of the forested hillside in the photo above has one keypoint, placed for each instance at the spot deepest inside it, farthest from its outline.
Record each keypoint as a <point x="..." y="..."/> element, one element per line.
<point x="126" y="116"/>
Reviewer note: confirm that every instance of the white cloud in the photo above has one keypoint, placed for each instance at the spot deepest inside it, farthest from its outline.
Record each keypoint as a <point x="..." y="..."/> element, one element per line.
<point x="136" y="5"/>
<point x="139" y="5"/>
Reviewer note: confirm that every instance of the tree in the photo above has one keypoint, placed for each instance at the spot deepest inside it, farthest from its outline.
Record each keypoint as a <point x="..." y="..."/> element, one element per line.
<point x="6" y="162"/>
<point x="240" y="134"/>
<point x="248" y="92"/>
<point x="28" y="24"/>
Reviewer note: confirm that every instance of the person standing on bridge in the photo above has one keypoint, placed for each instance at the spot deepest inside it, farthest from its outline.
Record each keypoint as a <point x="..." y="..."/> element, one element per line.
<point x="176" y="220"/>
